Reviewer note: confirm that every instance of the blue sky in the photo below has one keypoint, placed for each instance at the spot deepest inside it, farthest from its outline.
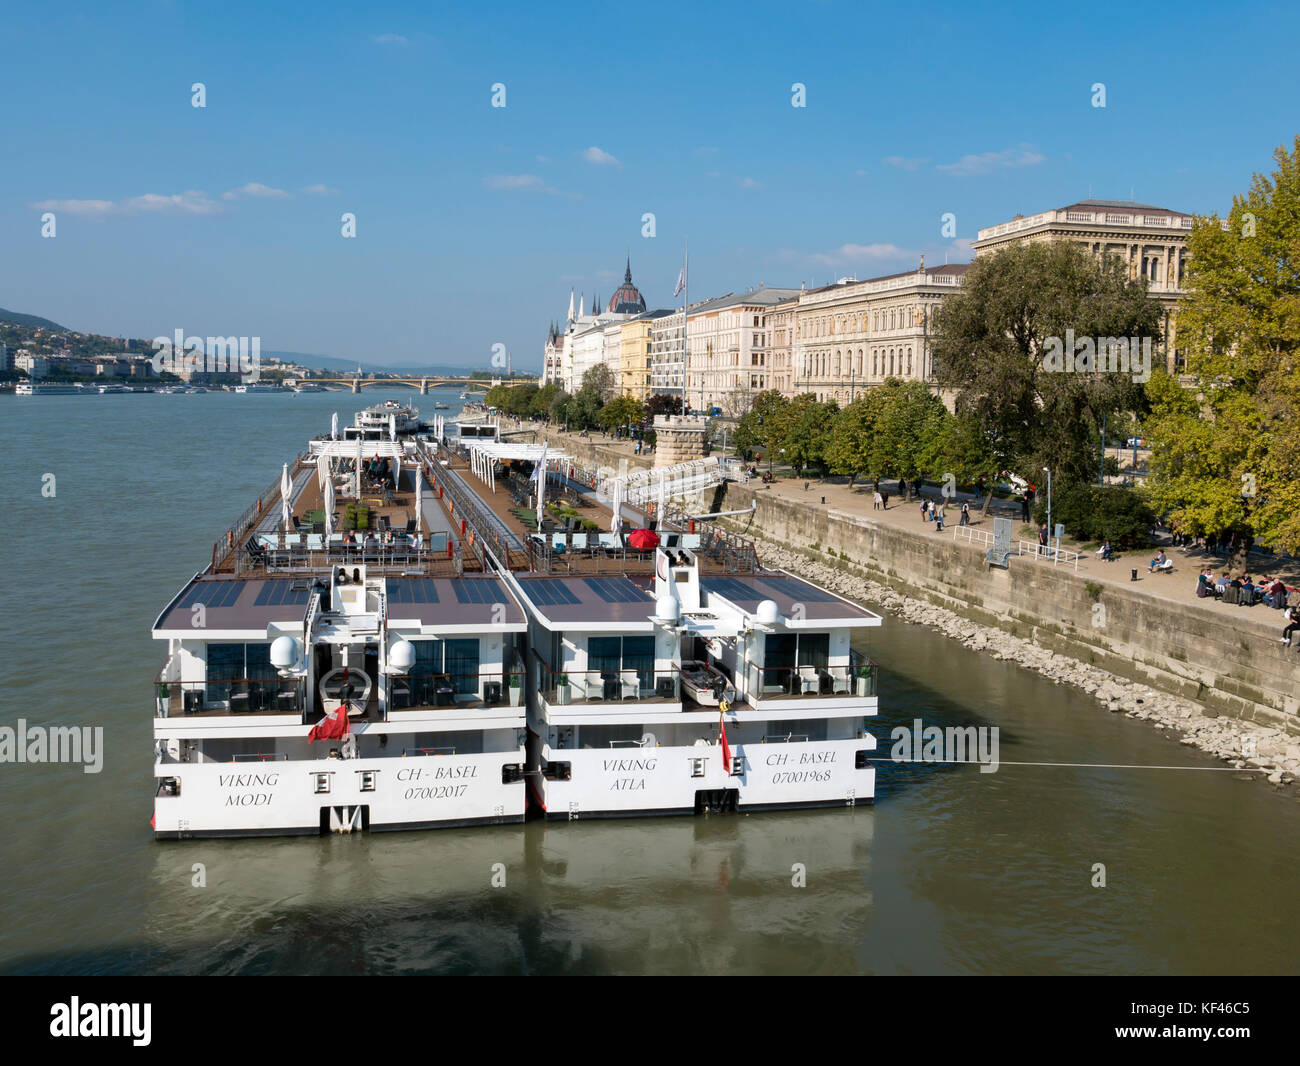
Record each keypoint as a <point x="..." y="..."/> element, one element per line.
<point x="474" y="222"/>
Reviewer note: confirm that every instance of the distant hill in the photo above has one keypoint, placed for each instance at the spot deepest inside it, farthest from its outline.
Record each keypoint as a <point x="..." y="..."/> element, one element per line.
<point x="32" y="321"/>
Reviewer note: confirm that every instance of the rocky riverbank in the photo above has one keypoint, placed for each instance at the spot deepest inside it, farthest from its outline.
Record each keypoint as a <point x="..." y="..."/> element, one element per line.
<point x="1246" y="745"/>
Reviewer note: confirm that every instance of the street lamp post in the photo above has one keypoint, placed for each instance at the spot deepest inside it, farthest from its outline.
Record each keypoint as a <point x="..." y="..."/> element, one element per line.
<point x="1048" y="472"/>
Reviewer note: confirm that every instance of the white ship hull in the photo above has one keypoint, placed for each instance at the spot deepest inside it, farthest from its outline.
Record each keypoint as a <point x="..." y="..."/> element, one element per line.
<point x="281" y="798"/>
<point x="622" y="783"/>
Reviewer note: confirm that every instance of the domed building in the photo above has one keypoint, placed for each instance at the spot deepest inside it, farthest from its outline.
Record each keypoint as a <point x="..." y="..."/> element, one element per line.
<point x="628" y="300"/>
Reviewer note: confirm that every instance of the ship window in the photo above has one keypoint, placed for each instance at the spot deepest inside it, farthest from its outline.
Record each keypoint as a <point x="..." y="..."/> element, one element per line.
<point x="610" y="655"/>
<point x="366" y="780"/>
<point x="697" y="767"/>
<point x="322" y="783"/>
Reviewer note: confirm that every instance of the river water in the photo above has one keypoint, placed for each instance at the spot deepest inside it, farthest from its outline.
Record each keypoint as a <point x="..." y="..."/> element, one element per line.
<point x="951" y="870"/>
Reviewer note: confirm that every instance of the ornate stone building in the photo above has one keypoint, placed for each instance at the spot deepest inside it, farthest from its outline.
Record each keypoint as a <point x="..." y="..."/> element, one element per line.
<point x="853" y="335"/>
<point x="1152" y="242"/>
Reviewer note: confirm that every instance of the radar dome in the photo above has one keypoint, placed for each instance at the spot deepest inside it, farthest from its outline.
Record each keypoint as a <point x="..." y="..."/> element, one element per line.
<point x="667" y="608"/>
<point x="284" y="653"/>
<point x="401" y="656"/>
<point x="768" y="613"/>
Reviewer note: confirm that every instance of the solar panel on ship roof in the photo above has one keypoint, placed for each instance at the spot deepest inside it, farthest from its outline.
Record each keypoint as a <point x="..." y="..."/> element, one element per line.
<point x="477" y="590"/>
<point x="213" y="594"/>
<point x="731" y="588"/>
<point x="550" y="593"/>
<point x="798" y="590"/>
<point x="615" y="589"/>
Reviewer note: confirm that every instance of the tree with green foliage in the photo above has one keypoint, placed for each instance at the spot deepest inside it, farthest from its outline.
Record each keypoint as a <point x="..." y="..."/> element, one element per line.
<point x="622" y="411"/>
<point x="1226" y="453"/>
<point x="598" y="382"/>
<point x="584" y="410"/>
<point x="909" y="418"/>
<point x="761" y="424"/>
<point x="804" y="430"/>
<point x="959" y="446"/>
<point x="998" y="339"/>
<point x="851" y="446"/>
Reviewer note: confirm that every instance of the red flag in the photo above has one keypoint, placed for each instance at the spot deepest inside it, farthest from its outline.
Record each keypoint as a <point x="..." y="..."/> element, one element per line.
<point x="726" y="748"/>
<point x="334" y="726"/>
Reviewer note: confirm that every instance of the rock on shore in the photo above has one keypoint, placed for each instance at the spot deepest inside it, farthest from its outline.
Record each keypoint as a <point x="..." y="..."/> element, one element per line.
<point x="1246" y="745"/>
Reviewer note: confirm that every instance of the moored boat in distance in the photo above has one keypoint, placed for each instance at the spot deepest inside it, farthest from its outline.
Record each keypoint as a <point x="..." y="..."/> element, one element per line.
<point x="28" y="388"/>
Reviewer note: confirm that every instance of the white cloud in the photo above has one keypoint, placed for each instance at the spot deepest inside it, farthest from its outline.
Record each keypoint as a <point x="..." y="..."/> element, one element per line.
<point x="88" y="208"/>
<point x="903" y="162"/>
<point x="599" y="157"/>
<point x="190" y="202"/>
<point x="848" y="255"/>
<point x="750" y="183"/>
<point x="986" y="162"/>
<point x="524" y="183"/>
<point x="256" y="189"/>
<point x="388" y="38"/>
<point x="320" y="190"/>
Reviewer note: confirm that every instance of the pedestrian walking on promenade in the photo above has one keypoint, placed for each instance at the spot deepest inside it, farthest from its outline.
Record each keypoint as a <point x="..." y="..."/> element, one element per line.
<point x="930" y="507"/>
<point x="875" y="501"/>
<point x="1024" y="507"/>
<point x="938" y="519"/>
<point x="924" y="513"/>
<point x="884" y="501"/>
<point x="965" y="514"/>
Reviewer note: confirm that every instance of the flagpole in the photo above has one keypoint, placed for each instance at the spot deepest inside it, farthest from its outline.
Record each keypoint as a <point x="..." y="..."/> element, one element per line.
<point x="686" y="303"/>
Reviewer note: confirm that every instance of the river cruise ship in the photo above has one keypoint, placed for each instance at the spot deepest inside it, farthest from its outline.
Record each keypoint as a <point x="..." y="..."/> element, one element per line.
<point x="385" y="640"/>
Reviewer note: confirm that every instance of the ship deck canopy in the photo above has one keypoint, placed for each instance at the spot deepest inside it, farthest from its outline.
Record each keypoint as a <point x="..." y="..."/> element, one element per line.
<point x="506" y="451"/>
<point x="347" y="449"/>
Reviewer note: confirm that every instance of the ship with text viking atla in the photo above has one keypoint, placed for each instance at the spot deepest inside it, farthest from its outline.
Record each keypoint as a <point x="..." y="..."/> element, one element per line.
<point x="389" y="638"/>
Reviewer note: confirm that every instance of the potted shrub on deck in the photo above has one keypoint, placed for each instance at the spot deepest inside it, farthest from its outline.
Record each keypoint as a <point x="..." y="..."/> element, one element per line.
<point x="164" y="699"/>
<point x="866" y="680"/>
<point x="513" y="682"/>
<point x="562" y="689"/>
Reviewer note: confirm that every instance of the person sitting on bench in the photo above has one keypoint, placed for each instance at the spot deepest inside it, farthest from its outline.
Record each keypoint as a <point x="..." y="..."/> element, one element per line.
<point x="1107" y="551"/>
<point x="1160" y="563"/>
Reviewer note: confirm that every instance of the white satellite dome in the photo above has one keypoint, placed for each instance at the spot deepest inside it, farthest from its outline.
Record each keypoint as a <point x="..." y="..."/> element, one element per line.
<point x="284" y="653"/>
<point x="401" y="656"/>
<point x="768" y="613"/>
<point x="667" y="608"/>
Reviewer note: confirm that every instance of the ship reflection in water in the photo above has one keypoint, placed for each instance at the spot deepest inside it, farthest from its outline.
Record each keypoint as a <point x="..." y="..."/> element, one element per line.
<point x="667" y="895"/>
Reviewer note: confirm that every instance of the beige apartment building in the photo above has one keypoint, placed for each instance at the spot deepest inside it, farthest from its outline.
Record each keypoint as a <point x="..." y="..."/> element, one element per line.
<point x="635" y="355"/>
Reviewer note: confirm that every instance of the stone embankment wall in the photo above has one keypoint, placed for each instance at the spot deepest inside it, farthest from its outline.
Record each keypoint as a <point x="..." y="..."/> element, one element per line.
<point x="1216" y="675"/>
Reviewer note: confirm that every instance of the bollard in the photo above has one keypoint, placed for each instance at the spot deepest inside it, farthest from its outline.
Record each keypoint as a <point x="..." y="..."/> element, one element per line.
<point x="1135" y="575"/>
<point x="823" y="499"/>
